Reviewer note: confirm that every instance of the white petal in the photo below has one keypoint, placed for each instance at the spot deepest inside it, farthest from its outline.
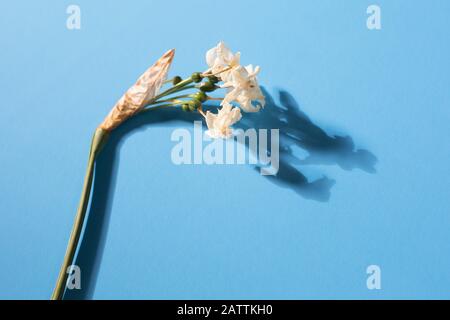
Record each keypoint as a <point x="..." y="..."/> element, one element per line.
<point x="247" y="106"/>
<point x="210" y="119"/>
<point x="211" y="57"/>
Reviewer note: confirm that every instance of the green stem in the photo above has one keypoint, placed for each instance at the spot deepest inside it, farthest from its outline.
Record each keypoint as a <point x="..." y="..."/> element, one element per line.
<point x="161" y="106"/>
<point x="178" y="87"/>
<point x="174" y="98"/>
<point x="172" y="90"/>
<point x="98" y="140"/>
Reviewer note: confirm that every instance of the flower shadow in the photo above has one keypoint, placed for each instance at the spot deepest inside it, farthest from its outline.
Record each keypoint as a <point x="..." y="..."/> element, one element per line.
<point x="296" y="129"/>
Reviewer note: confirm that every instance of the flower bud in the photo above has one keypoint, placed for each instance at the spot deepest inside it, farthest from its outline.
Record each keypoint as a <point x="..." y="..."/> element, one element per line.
<point x="196" y="77"/>
<point x="176" y="80"/>
<point x="194" y="104"/>
<point x="208" y="87"/>
<point x="200" y="96"/>
<point x="213" y="79"/>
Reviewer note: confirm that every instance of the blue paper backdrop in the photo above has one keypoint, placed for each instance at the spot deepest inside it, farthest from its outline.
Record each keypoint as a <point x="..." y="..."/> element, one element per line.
<point x="163" y="231"/>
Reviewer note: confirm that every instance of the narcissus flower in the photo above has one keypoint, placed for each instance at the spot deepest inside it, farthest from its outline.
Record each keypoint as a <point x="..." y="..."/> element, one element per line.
<point x="219" y="125"/>
<point x="221" y="58"/>
<point x="244" y="89"/>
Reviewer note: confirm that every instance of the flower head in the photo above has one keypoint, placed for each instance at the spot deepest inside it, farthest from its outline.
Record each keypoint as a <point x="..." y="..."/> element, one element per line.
<point x="219" y="125"/>
<point x="244" y="88"/>
<point x="241" y="84"/>
<point x="220" y="58"/>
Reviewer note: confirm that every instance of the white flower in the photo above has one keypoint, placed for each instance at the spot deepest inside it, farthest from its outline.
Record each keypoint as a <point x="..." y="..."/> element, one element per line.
<point x="219" y="58"/>
<point x="219" y="124"/>
<point x="244" y="89"/>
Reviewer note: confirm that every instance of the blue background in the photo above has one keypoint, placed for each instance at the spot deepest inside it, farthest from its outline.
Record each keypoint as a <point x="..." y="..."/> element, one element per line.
<point x="158" y="230"/>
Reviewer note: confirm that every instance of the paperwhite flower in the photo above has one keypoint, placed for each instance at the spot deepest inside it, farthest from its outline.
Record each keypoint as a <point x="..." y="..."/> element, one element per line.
<point x="244" y="89"/>
<point x="219" y="58"/>
<point x="219" y="124"/>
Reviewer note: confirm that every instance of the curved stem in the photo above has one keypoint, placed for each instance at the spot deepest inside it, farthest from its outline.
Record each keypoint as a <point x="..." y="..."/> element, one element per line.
<point x="98" y="140"/>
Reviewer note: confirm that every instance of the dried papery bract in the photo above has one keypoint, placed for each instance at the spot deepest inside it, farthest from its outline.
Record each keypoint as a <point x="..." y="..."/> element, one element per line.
<point x="145" y="89"/>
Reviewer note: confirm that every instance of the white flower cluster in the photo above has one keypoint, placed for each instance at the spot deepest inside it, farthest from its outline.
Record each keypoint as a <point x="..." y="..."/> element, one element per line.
<point x="242" y="87"/>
